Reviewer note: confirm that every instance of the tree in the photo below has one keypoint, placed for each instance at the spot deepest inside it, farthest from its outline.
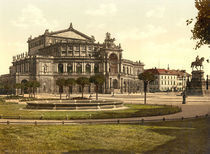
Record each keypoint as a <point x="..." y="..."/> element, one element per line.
<point x="98" y="80"/>
<point x="147" y="77"/>
<point x="18" y="86"/>
<point x="35" y="85"/>
<point x="29" y="86"/>
<point x="201" y="30"/>
<point x="60" y="82"/>
<point x="69" y="83"/>
<point x="82" y="81"/>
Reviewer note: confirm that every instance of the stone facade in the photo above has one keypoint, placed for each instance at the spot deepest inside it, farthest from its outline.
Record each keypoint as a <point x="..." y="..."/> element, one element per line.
<point x="168" y="80"/>
<point x="198" y="85"/>
<point x="71" y="54"/>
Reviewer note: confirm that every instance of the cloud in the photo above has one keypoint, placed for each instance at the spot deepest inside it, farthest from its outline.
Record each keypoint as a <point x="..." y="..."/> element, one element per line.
<point x="103" y="10"/>
<point x="32" y="16"/>
<point x="157" y="12"/>
<point x="137" y="34"/>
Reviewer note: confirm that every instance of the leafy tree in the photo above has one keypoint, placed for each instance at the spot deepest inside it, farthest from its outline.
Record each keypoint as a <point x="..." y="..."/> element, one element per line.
<point x="18" y="86"/>
<point x="69" y="83"/>
<point x="35" y="85"/>
<point x="29" y="86"/>
<point x="201" y="30"/>
<point x="82" y="81"/>
<point x="60" y="82"/>
<point x="147" y="77"/>
<point x="98" y="80"/>
<point x="24" y="87"/>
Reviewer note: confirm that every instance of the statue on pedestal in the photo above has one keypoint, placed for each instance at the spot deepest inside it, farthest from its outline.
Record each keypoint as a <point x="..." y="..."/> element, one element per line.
<point x="198" y="62"/>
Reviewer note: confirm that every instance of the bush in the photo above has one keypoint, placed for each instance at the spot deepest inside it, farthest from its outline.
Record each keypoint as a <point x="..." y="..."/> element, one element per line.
<point x="14" y="97"/>
<point x="80" y="98"/>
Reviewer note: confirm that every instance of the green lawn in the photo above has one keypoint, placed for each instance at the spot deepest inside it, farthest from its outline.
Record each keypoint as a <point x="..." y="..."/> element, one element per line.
<point x="11" y="110"/>
<point x="159" y="138"/>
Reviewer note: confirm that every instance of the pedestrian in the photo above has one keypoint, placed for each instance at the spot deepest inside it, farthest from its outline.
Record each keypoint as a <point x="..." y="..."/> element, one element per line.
<point x="184" y="97"/>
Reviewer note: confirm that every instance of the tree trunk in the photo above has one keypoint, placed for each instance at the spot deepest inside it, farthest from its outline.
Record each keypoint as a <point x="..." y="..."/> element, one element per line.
<point x="82" y="90"/>
<point x="96" y="92"/>
<point x="69" y="92"/>
<point x="145" y="91"/>
<point x="145" y="97"/>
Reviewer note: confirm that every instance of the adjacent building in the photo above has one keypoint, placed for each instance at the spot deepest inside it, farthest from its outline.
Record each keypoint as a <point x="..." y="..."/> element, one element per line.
<point x="69" y="53"/>
<point x="168" y="80"/>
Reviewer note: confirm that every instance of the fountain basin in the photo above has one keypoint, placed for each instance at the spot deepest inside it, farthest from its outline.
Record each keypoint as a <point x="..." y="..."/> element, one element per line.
<point x="73" y="104"/>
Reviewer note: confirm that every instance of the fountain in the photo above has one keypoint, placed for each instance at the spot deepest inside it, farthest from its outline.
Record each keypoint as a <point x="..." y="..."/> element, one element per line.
<point x="74" y="104"/>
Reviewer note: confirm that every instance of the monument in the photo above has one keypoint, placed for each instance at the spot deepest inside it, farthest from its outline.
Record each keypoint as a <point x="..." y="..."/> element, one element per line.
<point x="197" y="85"/>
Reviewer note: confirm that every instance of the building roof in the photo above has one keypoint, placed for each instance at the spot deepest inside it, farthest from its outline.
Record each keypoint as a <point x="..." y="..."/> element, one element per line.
<point x="69" y="33"/>
<point x="157" y="71"/>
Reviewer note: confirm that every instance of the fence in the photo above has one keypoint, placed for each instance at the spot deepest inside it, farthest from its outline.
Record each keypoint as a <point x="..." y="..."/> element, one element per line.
<point x="140" y="121"/>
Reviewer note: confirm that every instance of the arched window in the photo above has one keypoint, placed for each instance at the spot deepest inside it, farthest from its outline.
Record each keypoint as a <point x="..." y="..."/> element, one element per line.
<point x="96" y="68"/>
<point x="60" y="68"/>
<point x="115" y="84"/>
<point x="113" y="63"/>
<point x="70" y="68"/>
<point x="79" y="68"/>
<point x="88" y="68"/>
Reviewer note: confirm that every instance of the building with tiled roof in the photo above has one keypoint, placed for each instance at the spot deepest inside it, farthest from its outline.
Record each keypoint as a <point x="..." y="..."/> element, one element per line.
<point x="168" y="80"/>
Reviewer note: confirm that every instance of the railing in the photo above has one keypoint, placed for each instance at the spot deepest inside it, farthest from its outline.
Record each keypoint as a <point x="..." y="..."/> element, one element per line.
<point x="140" y="121"/>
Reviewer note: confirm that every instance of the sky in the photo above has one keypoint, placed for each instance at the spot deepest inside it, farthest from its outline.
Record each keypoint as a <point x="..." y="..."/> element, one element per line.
<point x="152" y="31"/>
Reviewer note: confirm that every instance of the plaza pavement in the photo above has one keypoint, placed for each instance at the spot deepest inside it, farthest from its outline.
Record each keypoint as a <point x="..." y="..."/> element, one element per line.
<point x="195" y="106"/>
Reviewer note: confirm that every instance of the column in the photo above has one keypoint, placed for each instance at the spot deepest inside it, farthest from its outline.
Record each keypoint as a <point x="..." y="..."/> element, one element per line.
<point x="107" y="67"/>
<point x="92" y="67"/>
<point x="73" y="67"/>
<point x="104" y="68"/>
<point x="56" y="68"/>
<point x="84" y="69"/>
<point x="65" y="67"/>
<point x="118" y="68"/>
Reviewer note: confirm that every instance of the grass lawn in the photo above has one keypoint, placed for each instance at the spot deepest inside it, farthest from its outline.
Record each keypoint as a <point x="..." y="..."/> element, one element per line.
<point x="11" y="111"/>
<point x="159" y="138"/>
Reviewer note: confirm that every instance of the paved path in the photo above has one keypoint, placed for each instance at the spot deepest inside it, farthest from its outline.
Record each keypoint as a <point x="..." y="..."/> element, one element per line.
<point x="196" y="106"/>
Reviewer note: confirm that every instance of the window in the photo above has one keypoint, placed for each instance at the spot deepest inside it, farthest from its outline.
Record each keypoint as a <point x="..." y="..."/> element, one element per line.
<point x="70" y="47"/>
<point x="63" y="52"/>
<point x="70" y="52"/>
<point x="96" y="68"/>
<point x="60" y="68"/>
<point x="123" y="69"/>
<point x="83" y="48"/>
<point x="88" y="68"/>
<point x="77" y="48"/>
<point x="89" y="48"/>
<point x="79" y="68"/>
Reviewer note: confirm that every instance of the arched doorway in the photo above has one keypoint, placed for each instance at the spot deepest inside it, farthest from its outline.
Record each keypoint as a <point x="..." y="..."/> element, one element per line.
<point x="113" y="61"/>
<point x="79" y="68"/>
<point x="115" y="84"/>
<point x="24" y="89"/>
<point x="88" y="68"/>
